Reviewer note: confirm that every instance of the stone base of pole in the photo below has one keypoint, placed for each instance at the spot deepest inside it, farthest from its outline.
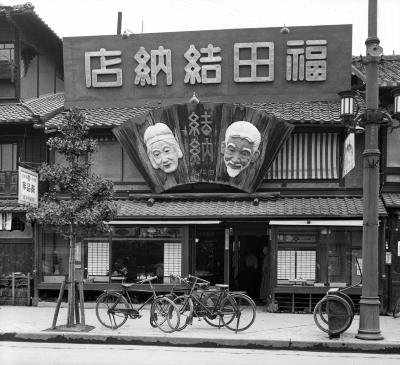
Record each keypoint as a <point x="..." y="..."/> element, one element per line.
<point x="369" y="319"/>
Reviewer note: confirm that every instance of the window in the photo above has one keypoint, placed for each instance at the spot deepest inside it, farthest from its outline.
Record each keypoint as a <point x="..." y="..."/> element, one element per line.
<point x="138" y="252"/>
<point x="98" y="258"/>
<point x="8" y="168"/>
<point x="8" y="156"/>
<point x="392" y="155"/>
<point x="7" y="61"/>
<point x="307" y="156"/>
<point x="111" y="162"/>
<point x="296" y="264"/>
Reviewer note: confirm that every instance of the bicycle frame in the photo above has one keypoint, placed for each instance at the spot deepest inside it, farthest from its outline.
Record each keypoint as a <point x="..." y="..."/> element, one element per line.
<point x="125" y="293"/>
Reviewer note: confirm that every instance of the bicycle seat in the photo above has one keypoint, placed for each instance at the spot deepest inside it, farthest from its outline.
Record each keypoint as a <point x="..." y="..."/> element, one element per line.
<point x="127" y="285"/>
<point x="222" y="286"/>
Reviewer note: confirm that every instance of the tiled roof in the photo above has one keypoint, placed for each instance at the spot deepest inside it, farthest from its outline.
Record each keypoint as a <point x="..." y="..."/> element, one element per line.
<point x="14" y="113"/>
<point x="285" y="207"/>
<point x="46" y="105"/>
<point x="388" y="70"/>
<point x="11" y="206"/>
<point x="102" y="117"/>
<point x="315" y="112"/>
<point x="391" y="200"/>
<point x="26" y="111"/>
<point x="39" y="33"/>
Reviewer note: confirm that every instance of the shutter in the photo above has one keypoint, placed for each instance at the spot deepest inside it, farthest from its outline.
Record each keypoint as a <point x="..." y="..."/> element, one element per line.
<point x="307" y="156"/>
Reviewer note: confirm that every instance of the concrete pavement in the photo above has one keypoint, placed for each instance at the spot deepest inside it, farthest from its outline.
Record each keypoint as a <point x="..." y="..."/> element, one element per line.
<point x="270" y="331"/>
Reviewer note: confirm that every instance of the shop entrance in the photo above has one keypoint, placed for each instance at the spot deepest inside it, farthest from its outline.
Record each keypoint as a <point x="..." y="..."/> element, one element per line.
<point x="250" y="270"/>
<point x="209" y="253"/>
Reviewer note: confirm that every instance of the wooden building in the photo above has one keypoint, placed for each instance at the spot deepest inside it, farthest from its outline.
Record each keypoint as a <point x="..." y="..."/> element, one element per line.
<point x="287" y="226"/>
<point x="31" y="79"/>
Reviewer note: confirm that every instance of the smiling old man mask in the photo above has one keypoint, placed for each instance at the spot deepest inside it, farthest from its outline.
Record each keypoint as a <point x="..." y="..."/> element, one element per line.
<point x="240" y="147"/>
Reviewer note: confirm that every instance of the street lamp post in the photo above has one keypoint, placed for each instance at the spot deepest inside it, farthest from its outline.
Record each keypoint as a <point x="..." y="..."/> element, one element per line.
<point x="369" y="303"/>
<point x="370" y="121"/>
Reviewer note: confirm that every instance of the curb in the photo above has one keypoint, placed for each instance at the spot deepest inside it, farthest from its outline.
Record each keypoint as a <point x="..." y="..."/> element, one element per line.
<point x="83" y="338"/>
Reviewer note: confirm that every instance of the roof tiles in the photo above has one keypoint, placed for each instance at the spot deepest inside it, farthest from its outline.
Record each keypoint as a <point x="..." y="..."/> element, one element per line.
<point x="391" y="200"/>
<point x="388" y="70"/>
<point x="44" y="106"/>
<point x="327" y="207"/>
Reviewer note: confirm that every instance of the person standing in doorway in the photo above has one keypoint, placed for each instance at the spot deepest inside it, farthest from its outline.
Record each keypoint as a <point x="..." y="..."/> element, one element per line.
<point x="251" y="274"/>
<point x="264" y="287"/>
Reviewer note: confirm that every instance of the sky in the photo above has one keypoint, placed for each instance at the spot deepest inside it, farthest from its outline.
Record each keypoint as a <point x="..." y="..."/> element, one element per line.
<point x="69" y="18"/>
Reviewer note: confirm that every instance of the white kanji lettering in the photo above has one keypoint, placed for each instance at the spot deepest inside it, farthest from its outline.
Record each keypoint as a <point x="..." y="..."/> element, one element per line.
<point x="192" y="69"/>
<point x="161" y="61"/>
<point x="142" y="70"/>
<point x="261" y="69"/>
<point x="210" y="69"/>
<point x="306" y="63"/>
<point x="92" y="76"/>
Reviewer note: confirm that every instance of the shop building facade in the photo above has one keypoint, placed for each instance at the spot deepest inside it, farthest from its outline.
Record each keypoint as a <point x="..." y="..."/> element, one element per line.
<point x="285" y="234"/>
<point x="31" y="85"/>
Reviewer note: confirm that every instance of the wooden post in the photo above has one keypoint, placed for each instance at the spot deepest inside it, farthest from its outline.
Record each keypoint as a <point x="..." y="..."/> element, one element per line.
<point x="13" y="288"/>
<point x="81" y="301"/>
<point x="58" y="305"/>
<point x="71" y="278"/>
<point x="29" y="289"/>
<point x="76" y="303"/>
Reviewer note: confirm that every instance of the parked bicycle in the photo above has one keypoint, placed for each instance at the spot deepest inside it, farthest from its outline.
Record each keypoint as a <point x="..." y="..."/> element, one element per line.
<point x="219" y="307"/>
<point x="396" y="308"/>
<point x="334" y="313"/>
<point x="113" y="308"/>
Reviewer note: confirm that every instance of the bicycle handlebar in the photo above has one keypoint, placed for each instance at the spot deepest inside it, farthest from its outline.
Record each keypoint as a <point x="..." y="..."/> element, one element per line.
<point x="199" y="279"/>
<point x="151" y="278"/>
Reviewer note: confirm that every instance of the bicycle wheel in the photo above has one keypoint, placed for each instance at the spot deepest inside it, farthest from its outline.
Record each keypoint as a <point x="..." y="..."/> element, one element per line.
<point x="396" y="309"/>
<point x="185" y="306"/>
<point x="321" y="316"/>
<point x="107" y="306"/>
<point x="243" y="309"/>
<point x="165" y="314"/>
<point x="340" y="315"/>
<point x="214" y="318"/>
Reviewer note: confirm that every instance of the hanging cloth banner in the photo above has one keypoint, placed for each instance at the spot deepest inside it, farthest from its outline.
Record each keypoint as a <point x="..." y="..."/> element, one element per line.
<point x="348" y="153"/>
<point x="6" y="219"/>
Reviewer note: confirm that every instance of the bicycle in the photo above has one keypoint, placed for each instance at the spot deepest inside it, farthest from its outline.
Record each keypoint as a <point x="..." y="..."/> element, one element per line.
<point x="396" y="308"/>
<point x="218" y="307"/>
<point x="114" y="307"/>
<point x="337" y="307"/>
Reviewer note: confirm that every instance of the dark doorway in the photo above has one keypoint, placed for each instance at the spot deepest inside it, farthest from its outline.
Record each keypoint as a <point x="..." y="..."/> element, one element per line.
<point x="209" y="253"/>
<point x="250" y="265"/>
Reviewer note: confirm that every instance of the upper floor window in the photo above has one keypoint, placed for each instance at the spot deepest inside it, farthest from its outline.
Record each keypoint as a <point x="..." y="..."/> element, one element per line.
<point x="8" y="156"/>
<point x="392" y="155"/>
<point x="7" y="61"/>
<point x="307" y="156"/>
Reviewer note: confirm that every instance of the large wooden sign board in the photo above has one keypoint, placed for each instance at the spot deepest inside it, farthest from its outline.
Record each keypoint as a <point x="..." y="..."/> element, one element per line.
<point x="203" y="143"/>
<point x="231" y="65"/>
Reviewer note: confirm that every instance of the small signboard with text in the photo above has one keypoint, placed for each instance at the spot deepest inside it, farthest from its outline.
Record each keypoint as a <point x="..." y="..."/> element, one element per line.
<point x="28" y="187"/>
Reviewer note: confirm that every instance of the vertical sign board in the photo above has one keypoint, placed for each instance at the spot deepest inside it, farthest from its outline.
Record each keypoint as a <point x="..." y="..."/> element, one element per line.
<point x="28" y="186"/>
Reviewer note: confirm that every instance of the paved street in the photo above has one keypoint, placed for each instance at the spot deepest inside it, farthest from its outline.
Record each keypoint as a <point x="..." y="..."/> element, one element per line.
<point x="22" y="353"/>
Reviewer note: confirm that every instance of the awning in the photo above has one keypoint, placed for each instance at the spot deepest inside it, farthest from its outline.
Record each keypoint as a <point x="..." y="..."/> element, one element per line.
<point x="263" y="209"/>
<point x="346" y="223"/>
<point x="130" y="222"/>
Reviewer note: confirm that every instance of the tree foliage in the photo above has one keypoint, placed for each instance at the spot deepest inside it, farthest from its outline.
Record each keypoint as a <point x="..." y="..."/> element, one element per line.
<point x="75" y="196"/>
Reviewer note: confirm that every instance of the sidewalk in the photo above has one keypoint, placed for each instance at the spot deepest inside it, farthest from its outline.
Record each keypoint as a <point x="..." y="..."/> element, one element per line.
<point x="270" y="331"/>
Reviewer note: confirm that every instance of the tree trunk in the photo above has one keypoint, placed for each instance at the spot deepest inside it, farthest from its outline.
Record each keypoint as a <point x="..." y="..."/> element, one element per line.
<point x="71" y="278"/>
